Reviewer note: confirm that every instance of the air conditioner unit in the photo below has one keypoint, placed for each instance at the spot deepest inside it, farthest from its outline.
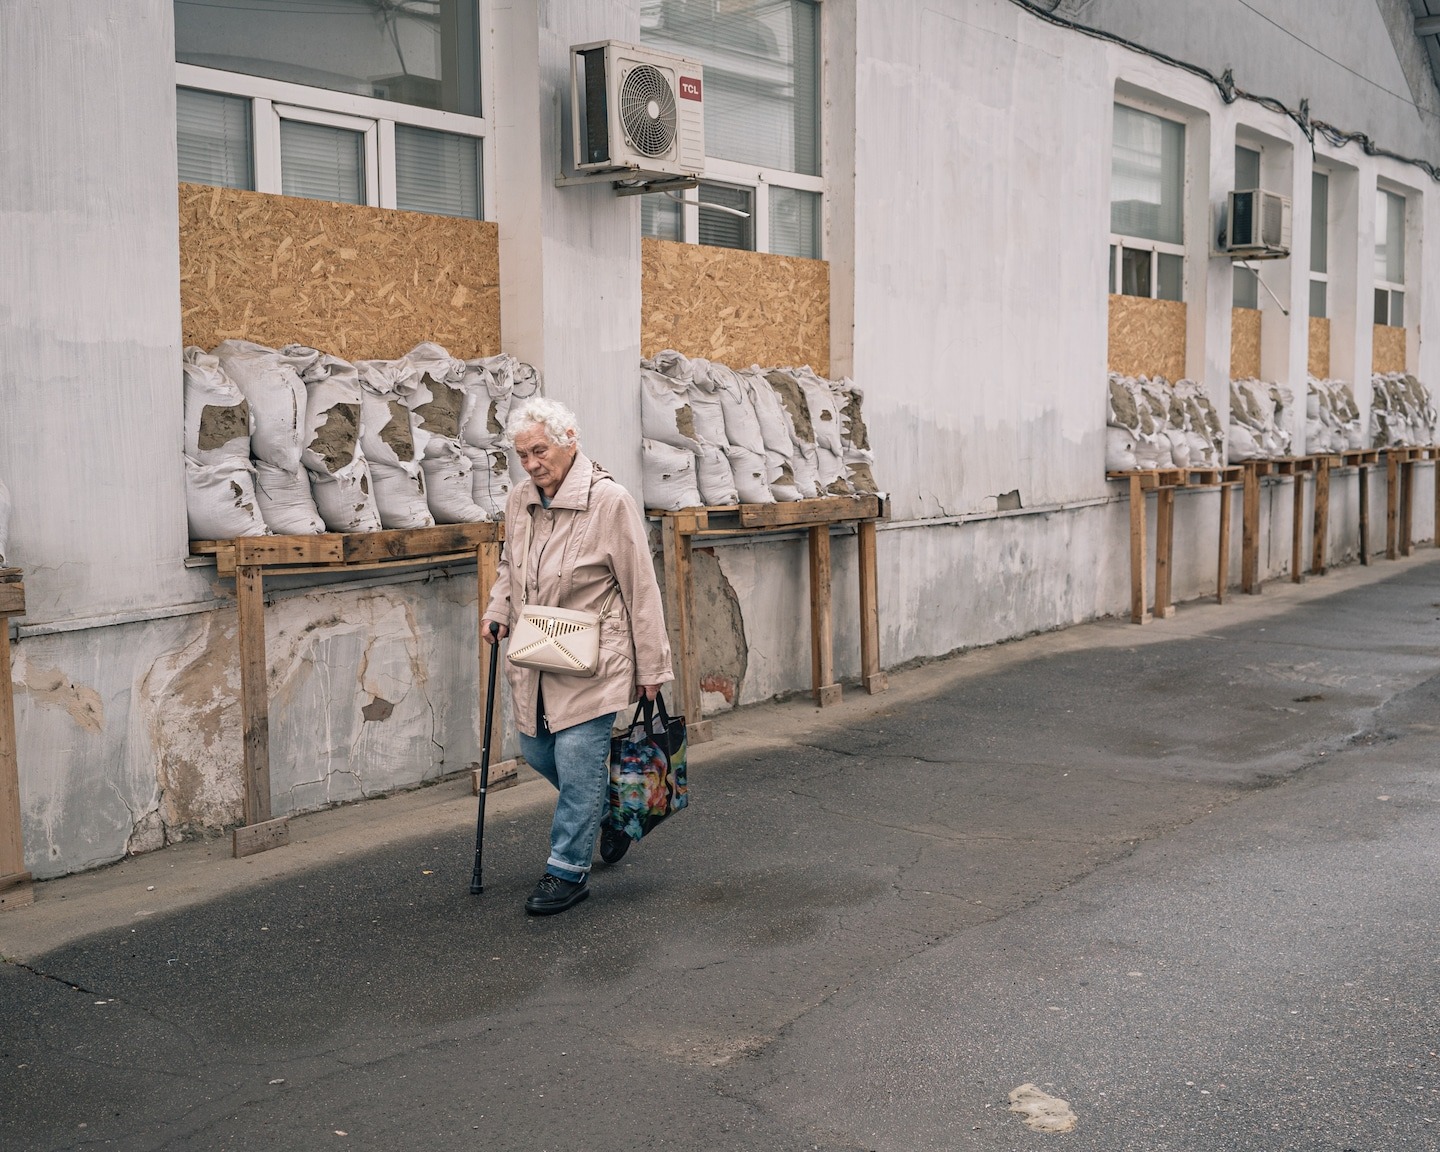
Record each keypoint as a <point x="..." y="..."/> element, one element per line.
<point x="1257" y="225"/>
<point x="636" y="114"/>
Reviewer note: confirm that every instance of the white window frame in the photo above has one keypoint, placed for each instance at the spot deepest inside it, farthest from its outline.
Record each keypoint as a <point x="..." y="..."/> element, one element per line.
<point x="758" y="181"/>
<point x="272" y="100"/>
<point x="1390" y="286"/>
<point x="1119" y="242"/>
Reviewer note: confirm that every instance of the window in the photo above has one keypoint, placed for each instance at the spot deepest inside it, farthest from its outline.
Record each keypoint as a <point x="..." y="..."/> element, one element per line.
<point x="762" y="123"/>
<point x="346" y="100"/>
<point x="1147" y="191"/>
<point x="1389" y="259"/>
<point x="1247" y="175"/>
<point x="1319" y="244"/>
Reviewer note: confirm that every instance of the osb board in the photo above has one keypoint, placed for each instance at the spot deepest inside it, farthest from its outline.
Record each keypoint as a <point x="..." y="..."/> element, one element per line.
<point x="362" y="283"/>
<point x="1244" y="343"/>
<point x="740" y="308"/>
<point x="1320" y="347"/>
<point x="1147" y="337"/>
<point x="1389" y="349"/>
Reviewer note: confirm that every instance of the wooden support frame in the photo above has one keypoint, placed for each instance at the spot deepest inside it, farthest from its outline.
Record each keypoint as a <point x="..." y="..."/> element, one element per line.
<point x="1320" y="532"/>
<point x="1250" y="528"/>
<point x="1297" y="531"/>
<point x="15" y="887"/>
<point x="678" y="531"/>
<point x="247" y="559"/>
<point x="1392" y="505"/>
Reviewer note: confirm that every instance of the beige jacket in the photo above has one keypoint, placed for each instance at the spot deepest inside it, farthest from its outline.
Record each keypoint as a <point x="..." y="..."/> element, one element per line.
<point x="589" y="540"/>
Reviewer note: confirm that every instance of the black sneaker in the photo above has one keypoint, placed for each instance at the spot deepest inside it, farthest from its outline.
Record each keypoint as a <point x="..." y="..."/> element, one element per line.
<point x="553" y="895"/>
<point x="613" y="845"/>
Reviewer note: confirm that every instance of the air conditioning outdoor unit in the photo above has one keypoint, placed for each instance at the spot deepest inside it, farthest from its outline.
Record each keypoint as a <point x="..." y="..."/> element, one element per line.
<point x="1257" y="225"/>
<point x="636" y="114"/>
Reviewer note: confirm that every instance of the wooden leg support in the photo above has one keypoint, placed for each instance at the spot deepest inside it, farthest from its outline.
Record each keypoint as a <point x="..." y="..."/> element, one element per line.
<point x="1250" y="533"/>
<point x="680" y="596"/>
<point x="15" y="890"/>
<point x="822" y="625"/>
<point x="1407" y="508"/>
<point x="1164" y="551"/>
<point x="1392" y="507"/>
<point x="1319" y="549"/>
<point x="260" y="832"/>
<point x="1222" y="566"/>
<point x="871" y="676"/>
<point x="1364" y="477"/>
<point x="1297" y="531"/>
<point x="1139" y="610"/>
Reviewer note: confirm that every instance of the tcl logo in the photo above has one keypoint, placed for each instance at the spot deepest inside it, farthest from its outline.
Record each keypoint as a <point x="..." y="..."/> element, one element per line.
<point x="689" y="88"/>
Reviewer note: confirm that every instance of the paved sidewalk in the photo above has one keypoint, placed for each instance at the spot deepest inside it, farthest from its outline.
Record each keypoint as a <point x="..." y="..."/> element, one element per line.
<point x="873" y="923"/>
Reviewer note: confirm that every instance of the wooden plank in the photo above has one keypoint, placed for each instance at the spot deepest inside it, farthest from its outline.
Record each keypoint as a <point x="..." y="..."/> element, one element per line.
<point x="1364" y="476"/>
<point x="680" y="609"/>
<point x="1222" y="565"/>
<point x="262" y="837"/>
<point x="16" y="891"/>
<point x="1139" y="602"/>
<point x="829" y="510"/>
<point x="505" y="774"/>
<point x="1297" y="531"/>
<point x="487" y="569"/>
<point x="1319" y="545"/>
<point x="326" y="548"/>
<point x="12" y="598"/>
<point x="413" y="543"/>
<point x="12" y="847"/>
<point x="871" y="676"/>
<point x="1392" y="506"/>
<point x="1250" y="531"/>
<point x="254" y="692"/>
<point x="1407" y="507"/>
<point x="1164" y="551"/>
<point x="822" y="621"/>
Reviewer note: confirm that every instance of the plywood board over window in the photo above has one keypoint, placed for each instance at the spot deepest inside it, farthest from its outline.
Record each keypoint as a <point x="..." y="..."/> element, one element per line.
<point x="1389" y="349"/>
<point x="1320" y="347"/>
<point x="1147" y="337"/>
<point x="1244" y="343"/>
<point x="738" y="308"/>
<point x="362" y="283"/>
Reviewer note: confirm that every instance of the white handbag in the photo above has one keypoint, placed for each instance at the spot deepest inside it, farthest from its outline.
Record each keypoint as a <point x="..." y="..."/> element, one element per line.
<point x="562" y="640"/>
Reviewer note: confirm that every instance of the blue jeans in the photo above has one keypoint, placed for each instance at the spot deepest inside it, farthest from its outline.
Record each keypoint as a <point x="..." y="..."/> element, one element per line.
<point x="577" y="761"/>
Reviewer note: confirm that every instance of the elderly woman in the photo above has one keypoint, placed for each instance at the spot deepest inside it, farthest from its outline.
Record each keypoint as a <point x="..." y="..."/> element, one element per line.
<point x="586" y="551"/>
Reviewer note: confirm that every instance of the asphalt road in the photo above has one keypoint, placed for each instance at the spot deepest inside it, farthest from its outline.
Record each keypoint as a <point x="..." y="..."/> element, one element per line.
<point x="1188" y="883"/>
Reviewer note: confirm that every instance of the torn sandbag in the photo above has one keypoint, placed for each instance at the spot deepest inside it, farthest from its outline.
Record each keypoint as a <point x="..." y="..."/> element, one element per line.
<point x="217" y="415"/>
<point x="400" y="494"/>
<point x="286" y="504"/>
<point x="749" y="471"/>
<point x="220" y="501"/>
<point x="270" y="381"/>
<point x="344" y="497"/>
<point x="489" y="479"/>
<point x="448" y="484"/>
<point x="668" y="474"/>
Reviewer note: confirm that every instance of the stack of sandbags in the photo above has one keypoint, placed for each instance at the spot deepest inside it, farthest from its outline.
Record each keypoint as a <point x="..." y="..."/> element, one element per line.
<point x="493" y="384"/>
<point x="713" y="474"/>
<point x="339" y="473"/>
<point x="668" y="445"/>
<point x="441" y="419"/>
<point x="393" y="442"/>
<point x="1204" y="434"/>
<point x="1138" y="415"/>
<point x="1401" y="413"/>
<point x="1332" y="418"/>
<point x="778" y="434"/>
<point x="745" y="448"/>
<point x="855" y="437"/>
<point x="1258" y="412"/>
<point x="270" y="381"/>
<point x="804" y="453"/>
<point x="220" y="497"/>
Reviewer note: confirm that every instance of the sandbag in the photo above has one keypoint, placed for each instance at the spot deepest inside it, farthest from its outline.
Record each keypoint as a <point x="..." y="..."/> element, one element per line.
<point x="286" y="505"/>
<point x="1119" y="450"/>
<point x="668" y="476"/>
<point x="400" y="495"/>
<point x="448" y="486"/>
<point x="749" y="471"/>
<point x="332" y="411"/>
<point x="775" y="428"/>
<point x="824" y="410"/>
<point x="345" y="499"/>
<point x="220" y="501"/>
<point x="665" y="413"/>
<point x="713" y="476"/>
<point x="5" y="521"/>
<point x="487" y="406"/>
<point x="831" y="468"/>
<point x="489" y="479"/>
<point x="781" y="475"/>
<point x="442" y="417"/>
<point x="389" y="431"/>
<point x="270" y="381"/>
<point x="1179" y="448"/>
<point x="742" y="425"/>
<point x="707" y="413"/>
<point x="217" y="415"/>
<point x="860" y="471"/>
<point x="1242" y="444"/>
<point x="1153" y="452"/>
<point x="805" y="466"/>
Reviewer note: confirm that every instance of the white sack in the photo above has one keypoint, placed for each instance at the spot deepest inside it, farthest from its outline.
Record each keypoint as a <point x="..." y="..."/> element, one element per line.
<point x="673" y="364"/>
<point x="805" y="466"/>
<point x="668" y="475"/>
<point x="524" y="379"/>
<point x="742" y="425"/>
<point x="707" y="414"/>
<point x="220" y="500"/>
<point x="489" y="479"/>
<point x="1179" y="448"/>
<point x="400" y="495"/>
<point x="5" y="520"/>
<point x="860" y="471"/>
<point x="389" y="431"/>
<point x="332" y="411"/>
<point x="442" y="417"/>
<point x="345" y="499"/>
<point x="823" y="408"/>
<point x="1242" y="444"/>
<point x="831" y="467"/>
<point x="793" y="401"/>
<point x="751" y="482"/>
<point x="217" y="415"/>
<point x="1119" y="450"/>
<point x="270" y="380"/>
<point x="714" y="478"/>
<point x="781" y="474"/>
<point x="448" y="487"/>
<point x="1153" y="452"/>
<point x="665" y="413"/>
<point x="286" y="505"/>
<point x="488" y="405"/>
<point x="775" y="427"/>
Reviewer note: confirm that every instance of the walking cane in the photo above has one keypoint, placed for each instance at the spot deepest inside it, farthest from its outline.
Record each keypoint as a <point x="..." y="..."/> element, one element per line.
<point x="476" y="883"/>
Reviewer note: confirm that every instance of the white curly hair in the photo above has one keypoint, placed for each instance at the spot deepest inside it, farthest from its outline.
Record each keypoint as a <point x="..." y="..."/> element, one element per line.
<point x="557" y="420"/>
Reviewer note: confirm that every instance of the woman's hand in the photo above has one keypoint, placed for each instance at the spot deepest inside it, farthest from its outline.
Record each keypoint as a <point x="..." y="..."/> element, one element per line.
<point x="649" y="691"/>
<point x="492" y="631"/>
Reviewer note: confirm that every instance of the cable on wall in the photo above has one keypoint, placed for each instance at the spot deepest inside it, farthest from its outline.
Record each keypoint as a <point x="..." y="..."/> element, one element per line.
<point x="1231" y="92"/>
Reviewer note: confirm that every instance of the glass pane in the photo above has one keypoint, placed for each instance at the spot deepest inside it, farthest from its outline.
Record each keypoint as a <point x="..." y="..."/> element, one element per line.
<point x="794" y="222"/>
<point x="437" y="172"/>
<point x="1172" y="277"/>
<point x="1319" y="224"/>
<point x="1112" y="269"/>
<point x="762" y="74"/>
<point x="1135" y="272"/>
<point x="1389" y="237"/>
<point x="723" y="229"/>
<point x="1247" y="168"/>
<point x="213" y="133"/>
<point x="322" y="163"/>
<point x="1317" y="298"/>
<point x="1382" y="306"/>
<point x="1397" y="309"/>
<point x="424" y="52"/>
<point x="1247" y="288"/>
<point x="1147" y="177"/>
<point x="661" y="217"/>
